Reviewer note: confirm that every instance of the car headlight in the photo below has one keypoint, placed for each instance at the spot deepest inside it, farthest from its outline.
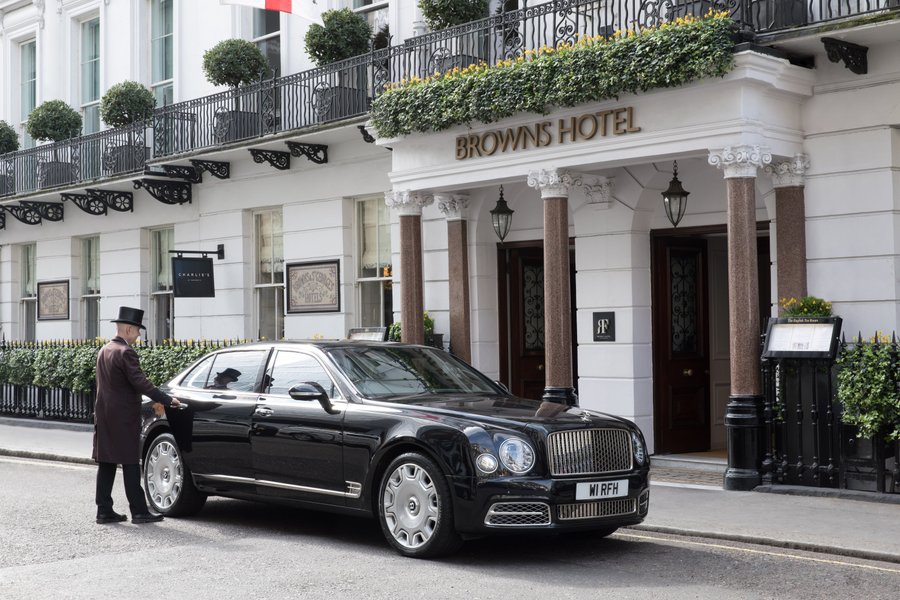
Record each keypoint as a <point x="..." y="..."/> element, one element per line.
<point x="640" y="453"/>
<point x="517" y="455"/>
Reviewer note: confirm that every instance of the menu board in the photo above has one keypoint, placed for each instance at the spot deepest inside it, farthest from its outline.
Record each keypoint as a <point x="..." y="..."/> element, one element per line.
<point x="802" y="338"/>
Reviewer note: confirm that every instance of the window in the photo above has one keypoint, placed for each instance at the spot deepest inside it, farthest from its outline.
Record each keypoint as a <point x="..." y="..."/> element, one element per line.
<point x="196" y="377"/>
<point x="269" y="275"/>
<point x="90" y="292"/>
<point x="267" y="36"/>
<point x="291" y="368"/>
<point x="237" y="371"/>
<point x="28" y="79"/>
<point x="162" y="300"/>
<point x="90" y="75"/>
<point x="374" y="275"/>
<point x="375" y="12"/>
<point x="161" y="48"/>
<point x="29" y="292"/>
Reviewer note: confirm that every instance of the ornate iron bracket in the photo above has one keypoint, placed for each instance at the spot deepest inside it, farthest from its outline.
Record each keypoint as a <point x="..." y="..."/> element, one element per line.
<point x="853" y="55"/>
<point x="367" y="137"/>
<point x="218" y="169"/>
<point x="27" y="215"/>
<point x="114" y="199"/>
<point x="2" y="220"/>
<point x="190" y="174"/>
<point x="167" y="192"/>
<point x="317" y="153"/>
<point x="276" y="158"/>
<point x="92" y="205"/>
<point x="47" y="210"/>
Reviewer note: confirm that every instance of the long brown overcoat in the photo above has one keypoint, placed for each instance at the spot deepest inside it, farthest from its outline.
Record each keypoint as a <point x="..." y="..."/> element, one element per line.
<point x="117" y="412"/>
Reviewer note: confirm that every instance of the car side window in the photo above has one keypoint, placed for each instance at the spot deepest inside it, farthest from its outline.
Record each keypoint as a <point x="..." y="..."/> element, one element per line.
<point x="291" y="368"/>
<point x="236" y="371"/>
<point x="196" y="377"/>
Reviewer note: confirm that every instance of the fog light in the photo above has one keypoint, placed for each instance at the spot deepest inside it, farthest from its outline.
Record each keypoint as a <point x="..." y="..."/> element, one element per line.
<point x="486" y="463"/>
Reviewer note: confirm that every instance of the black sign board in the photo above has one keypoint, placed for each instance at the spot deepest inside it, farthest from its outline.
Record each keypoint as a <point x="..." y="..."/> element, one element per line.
<point x="802" y="337"/>
<point x="604" y="326"/>
<point x="193" y="277"/>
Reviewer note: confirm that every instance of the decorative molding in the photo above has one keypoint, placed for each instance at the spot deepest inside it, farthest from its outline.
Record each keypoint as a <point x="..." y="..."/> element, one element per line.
<point x="51" y="211"/>
<point x="408" y="203"/>
<point x="598" y="191"/>
<point x="789" y="173"/>
<point x="317" y="153"/>
<point x="167" y="192"/>
<point x="2" y="30"/>
<point x="39" y="5"/>
<point x="553" y="183"/>
<point x="367" y="137"/>
<point x="59" y="6"/>
<point x="854" y="56"/>
<point x="26" y="215"/>
<point x="114" y="199"/>
<point x="453" y="206"/>
<point x="740" y="161"/>
<point x="217" y="168"/>
<point x="278" y="159"/>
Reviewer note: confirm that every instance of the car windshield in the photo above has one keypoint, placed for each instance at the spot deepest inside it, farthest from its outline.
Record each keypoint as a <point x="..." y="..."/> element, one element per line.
<point x="390" y="371"/>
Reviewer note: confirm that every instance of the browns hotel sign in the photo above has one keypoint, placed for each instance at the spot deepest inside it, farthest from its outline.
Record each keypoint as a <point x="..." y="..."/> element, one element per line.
<point x="615" y="121"/>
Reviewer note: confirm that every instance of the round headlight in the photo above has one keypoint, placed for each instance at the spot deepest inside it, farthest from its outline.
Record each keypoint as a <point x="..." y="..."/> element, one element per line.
<point x="516" y="455"/>
<point x="486" y="463"/>
<point x="640" y="454"/>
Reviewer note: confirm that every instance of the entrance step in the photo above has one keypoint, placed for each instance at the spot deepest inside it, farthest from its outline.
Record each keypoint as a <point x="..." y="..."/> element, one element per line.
<point x="695" y="462"/>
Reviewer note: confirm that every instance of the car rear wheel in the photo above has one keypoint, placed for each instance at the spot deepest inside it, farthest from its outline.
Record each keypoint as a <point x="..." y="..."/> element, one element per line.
<point x="167" y="480"/>
<point x="415" y="509"/>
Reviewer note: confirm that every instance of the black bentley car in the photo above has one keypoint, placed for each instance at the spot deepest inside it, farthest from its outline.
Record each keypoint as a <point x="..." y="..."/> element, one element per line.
<point x="408" y="434"/>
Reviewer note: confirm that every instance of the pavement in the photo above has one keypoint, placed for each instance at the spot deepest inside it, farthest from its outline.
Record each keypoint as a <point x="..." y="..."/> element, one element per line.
<point x="686" y="499"/>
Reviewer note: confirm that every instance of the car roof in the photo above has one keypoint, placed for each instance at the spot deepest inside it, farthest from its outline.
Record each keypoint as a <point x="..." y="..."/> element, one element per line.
<point x="326" y="344"/>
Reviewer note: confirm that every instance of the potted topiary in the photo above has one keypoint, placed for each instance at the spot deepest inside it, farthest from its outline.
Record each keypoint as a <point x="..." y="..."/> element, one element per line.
<point x="54" y="120"/>
<point x="234" y="63"/>
<point x="470" y="47"/>
<point x="126" y="104"/>
<point x="343" y="34"/>
<point x="9" y="142"/>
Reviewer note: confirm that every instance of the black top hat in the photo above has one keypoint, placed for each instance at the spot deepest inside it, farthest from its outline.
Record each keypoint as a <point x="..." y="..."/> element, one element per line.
<point x="131" y="316"/>
<point x="229" y="372"/>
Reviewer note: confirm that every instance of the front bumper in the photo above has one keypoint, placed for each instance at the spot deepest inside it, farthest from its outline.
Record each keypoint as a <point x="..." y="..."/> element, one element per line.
<point x="509" y="504"/>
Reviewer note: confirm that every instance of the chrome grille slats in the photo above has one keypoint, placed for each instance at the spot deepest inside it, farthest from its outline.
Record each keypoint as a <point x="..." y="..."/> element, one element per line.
<point x="589" y="451"/>
<point x="518" y="514"/>
<point x="594" y="510"/>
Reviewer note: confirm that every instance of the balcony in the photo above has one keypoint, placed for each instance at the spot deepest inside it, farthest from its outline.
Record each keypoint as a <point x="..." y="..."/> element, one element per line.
<point x="345" y="89"/>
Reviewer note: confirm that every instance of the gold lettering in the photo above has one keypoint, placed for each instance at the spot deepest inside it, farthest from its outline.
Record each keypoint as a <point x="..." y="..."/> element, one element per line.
<point x="592" y="120"/>
<point x="630" y="121"/>
<point x="563" y="130"/>
<point x="462" y="150"/>
<point x="513" y="138"/>
<point x="602" y="118"/>
<point x="490" y="135"/>
<point x="474" y="149"/>
<point x="619" y="120"/>
<point x="545" y="138"/>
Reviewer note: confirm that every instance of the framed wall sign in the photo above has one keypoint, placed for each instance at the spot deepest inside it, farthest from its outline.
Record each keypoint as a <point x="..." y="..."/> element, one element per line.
<point x="604" y="324"/>
<point x="53" y="300"/>
<point x="313" y="287"/>
<point x="802" y="337"/>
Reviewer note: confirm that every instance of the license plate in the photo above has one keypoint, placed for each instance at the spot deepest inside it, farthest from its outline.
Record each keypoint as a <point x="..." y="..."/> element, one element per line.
<point x="592" y="490"/>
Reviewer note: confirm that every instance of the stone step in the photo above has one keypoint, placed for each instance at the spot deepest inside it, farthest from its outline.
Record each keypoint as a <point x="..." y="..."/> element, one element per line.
<point x="689" y="463"/>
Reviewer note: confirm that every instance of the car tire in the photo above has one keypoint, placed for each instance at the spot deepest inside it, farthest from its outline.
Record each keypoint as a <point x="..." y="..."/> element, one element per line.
<point x="415" y="509"/>
<point x="167" y="480"/>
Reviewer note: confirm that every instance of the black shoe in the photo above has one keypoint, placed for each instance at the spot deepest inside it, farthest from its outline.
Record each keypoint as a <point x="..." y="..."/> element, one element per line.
<point x="146" y="518"/>
<point x="112" y="517"/>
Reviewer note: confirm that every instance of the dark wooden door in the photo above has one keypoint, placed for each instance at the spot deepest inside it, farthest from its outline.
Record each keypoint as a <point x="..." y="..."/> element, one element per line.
<point x="680" y="345"/>
<point x="524" y="323"/>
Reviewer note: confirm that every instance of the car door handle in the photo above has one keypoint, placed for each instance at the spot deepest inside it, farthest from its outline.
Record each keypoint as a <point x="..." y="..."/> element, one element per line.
<point x="263" y="411"/>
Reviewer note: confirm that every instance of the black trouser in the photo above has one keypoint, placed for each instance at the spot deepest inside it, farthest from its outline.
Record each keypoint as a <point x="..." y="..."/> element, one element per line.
<point x="106" y="476"/>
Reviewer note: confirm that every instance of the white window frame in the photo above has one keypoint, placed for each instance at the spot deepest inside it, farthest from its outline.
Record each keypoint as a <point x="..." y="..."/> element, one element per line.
<point x="28" y="298"/>
<point x="82" y="63"/>
<point x="27" y="142"/>
<point x="90" y="296"/>
<point x="161" y="85"/>
<point x="269" y="36"/>
<point x="358" y="259"/>
<point x="158" y="293"/>
<point x="273" y="287"/>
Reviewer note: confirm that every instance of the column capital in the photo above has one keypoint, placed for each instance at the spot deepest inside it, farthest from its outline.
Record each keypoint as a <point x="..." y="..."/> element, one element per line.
<point x="553" y="183"/>
<point x="789" y="173"/>
<point x="407" y="202"/>
<point x="740" y="161"/>
<point x="598" y="191"/>
<point x="453" y="206"/>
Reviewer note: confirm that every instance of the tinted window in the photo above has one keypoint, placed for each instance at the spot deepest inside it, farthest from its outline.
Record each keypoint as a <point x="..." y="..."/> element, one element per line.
<point x="291" y="368"/>
<point x="196" y="377"/>
<point x="236" y="371"/>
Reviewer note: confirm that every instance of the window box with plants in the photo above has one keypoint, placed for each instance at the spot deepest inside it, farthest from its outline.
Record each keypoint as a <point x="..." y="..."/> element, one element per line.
<point x="237" y="63"/>
<point x="9" y="142"/>
<point x="55" y="121"/>
<point x="126" y="105"/>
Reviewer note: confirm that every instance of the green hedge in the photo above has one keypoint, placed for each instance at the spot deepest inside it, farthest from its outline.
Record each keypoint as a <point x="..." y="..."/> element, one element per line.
<point x="868" y="387"/>
<point x="72" y="365"/>
<point x="591" y="70"/>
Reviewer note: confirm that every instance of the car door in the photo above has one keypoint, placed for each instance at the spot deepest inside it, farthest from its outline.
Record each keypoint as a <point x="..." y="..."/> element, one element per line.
<point x="297" y="445"/>
<point x="214" y="430"/>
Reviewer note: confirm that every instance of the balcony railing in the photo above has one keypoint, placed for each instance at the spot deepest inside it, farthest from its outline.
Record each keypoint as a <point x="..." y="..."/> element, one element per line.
<point x="346" y="89"/>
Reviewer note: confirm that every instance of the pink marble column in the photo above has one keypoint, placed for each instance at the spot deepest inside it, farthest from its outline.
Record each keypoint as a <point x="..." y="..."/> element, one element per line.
<point x="409" y="206"/>
<point x="554" y="187"/>
<point x="790" y="226"/>
<point x="454" y="208"/>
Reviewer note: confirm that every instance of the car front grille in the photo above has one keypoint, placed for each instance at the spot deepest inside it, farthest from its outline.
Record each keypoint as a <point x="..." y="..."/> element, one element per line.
<point x="589" y="451"/>
<point x="594" y="510"/>
<point x="518" y="514"/>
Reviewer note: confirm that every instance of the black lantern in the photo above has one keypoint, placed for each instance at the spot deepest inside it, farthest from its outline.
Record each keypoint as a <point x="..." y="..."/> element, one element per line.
<point x="675" y="198"/>
<point x="501" y="217"/>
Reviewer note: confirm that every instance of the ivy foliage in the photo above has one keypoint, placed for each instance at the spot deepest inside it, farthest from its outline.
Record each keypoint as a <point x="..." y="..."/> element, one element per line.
<point x="591" y="70"/>
<point x="868" y="378"/>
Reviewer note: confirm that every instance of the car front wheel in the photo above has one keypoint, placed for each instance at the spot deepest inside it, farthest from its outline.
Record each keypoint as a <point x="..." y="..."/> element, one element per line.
<point x="414" y="508"/>
<point x="167" y="480"/>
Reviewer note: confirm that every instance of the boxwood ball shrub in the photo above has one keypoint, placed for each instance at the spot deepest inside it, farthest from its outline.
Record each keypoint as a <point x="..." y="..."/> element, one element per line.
<point x="53" y="120"/>
<point x="234" y="63"/>
<point x="440" y="14"/>
<point x="343" y="34"/>
<point x="9" y="141"/>
<point x="125" y="103"/>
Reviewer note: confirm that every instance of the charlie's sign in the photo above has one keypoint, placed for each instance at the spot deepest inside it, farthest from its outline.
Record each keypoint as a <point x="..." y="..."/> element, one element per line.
<point x="615" y="121"/>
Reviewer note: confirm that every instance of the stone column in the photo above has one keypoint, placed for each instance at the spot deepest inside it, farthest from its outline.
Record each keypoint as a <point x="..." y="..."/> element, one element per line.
<point x="743" y="417"/>
<point x="454" y="208"/>
<point x="409" y="205"/>
<point x="788" y="177"/>
<point x="554" y="186"/>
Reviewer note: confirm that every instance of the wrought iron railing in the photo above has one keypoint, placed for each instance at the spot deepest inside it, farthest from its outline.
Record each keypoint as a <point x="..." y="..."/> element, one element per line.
<point x="346" y="89"/>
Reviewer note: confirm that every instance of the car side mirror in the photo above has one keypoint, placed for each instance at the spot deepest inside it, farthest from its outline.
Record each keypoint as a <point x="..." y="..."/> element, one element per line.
<point x="309" y="391"/>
